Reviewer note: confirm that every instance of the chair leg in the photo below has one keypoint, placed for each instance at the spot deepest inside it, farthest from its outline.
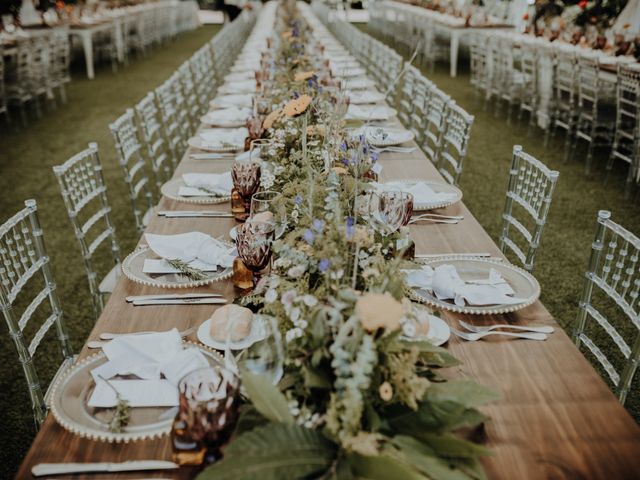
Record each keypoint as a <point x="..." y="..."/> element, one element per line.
<point x="23" y="114"/>
<point x="63" y="94"/>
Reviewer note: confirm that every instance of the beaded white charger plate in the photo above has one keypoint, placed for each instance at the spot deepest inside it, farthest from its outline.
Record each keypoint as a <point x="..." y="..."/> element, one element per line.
<point x="257" y="333"/>
<point x="134" y="262"/>
<point x="172" y="187"/>
<point x="386" y="136"/>
<point x="436" y="187"/>
<point x="524" y="285"/>
<point x="70" y="397"/>
<point x="196" y="142"/>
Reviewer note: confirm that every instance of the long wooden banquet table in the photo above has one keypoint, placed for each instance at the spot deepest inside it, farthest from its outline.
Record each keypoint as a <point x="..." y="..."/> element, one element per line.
<point x="556" y="418"/>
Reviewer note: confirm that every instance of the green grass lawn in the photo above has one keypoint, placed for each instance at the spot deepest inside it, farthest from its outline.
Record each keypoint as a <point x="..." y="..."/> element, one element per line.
<point x="566" y="243"/>
<point x="26" y="158"/>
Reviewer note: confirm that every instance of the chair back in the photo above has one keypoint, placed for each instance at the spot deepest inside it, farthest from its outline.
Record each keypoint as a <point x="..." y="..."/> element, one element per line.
<point x="129" y="148"/>
<point x="437" y="108"/>
<point x="24" y="261"/>
<point x="161" y="156"/>
<point x="85" y="196"/>
<point x="530" y="191"/>
<point x="608" y="308"/>
<point x="455" y="140"/>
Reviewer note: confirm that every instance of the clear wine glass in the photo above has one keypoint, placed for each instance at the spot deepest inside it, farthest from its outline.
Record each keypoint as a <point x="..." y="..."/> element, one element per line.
<point x="264" y="357"/>
<point x="258" y="149"/>
<point x="389" y="210"/>
<point x="271" y="205"/>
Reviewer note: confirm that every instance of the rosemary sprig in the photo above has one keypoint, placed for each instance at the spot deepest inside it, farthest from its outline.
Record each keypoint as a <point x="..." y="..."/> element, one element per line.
<point x="122" y="414"/>
<point x="186" y="271"/>
<point x="211" y="192"/>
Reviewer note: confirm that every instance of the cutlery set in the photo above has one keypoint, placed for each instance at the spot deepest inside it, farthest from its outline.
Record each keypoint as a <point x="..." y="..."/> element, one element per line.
<point x="528" y="332"/>
<point x="43" y="469"/>
<point x="436" y="218"/>
<point x="194" y="213"/>
<point x="177" y="299"/>
<point x="106" y="336"/>
<point x="212" y="156"/>
<point x="394" y="149"/>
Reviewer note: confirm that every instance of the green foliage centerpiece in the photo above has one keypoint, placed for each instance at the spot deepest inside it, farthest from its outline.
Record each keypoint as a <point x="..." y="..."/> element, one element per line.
<point x="355" y="401"/>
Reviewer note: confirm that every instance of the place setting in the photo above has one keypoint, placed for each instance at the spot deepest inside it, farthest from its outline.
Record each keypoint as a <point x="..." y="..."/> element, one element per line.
<point x="220" y="139"/>
<point x="200" y="188"/>
<point x="227" y="117"/>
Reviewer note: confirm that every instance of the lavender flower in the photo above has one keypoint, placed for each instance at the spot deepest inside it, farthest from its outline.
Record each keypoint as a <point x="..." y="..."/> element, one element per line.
<point x="318" y="225"/>
<point x="309" y="236"/>
<point x="344" y="146"/>
<point x="350" y="230"/>
<point x="324" y="265"/>
<point x="298" y="200"/>
<point x="374" y="156"/>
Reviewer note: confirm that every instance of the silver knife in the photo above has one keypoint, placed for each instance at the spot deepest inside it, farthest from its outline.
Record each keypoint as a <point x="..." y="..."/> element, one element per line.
<point x="194" y="213"/>
<point x="183" y="301"/>
<point x="439" y="255"/>
<point x="211" y="156"/>
<point x="170" y="296"/>
<point x="42" y="469"/>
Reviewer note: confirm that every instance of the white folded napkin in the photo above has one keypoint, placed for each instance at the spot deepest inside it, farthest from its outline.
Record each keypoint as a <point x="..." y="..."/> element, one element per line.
<point x="446" y="284"/>
<point x="248" y="155"/>
<point x="197" y="249"/>
<point x="358" y="83"/>
<point x="359" y="97"/>
<point x="149" y="357"/>
<point x="368" y="112"/>
<point x="422" y="192"/>
<point x="231" y="116"/>
<point x="139" y="393"/>
<point x="240" y="76"/>
<point x="246" y="86"/>
<point x="206" y="184"/>
<point x="224" y="137"/>
<point x="348" y="71"/>
<point x="242" y="100"/>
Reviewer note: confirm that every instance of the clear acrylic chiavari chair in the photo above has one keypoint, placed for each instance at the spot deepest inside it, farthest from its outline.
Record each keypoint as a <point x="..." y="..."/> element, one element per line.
<point x="478" y="62"/>
<point x="60" y="60"/>
<point x="595" y="122"/>
<point x="24" y="269"/>
<point x="529" y="196"/>
<point x="129" y="148"/>
<point x="406" y="96"/>
<point x="455" y="140"/>
<point x="4" y="108"/>
<point x="608" y="308"/>
<point x="171" y="115"/>
<point x="160" y="154"/>
<point x="564" y="111"/>
<point x="194" y="108"/>
<point x="528" y="94"/>
<point x="423" y="89"/>
<point x="434" y="123"/>
<point x="626" y="141"/>
<point x="85" y="196"/>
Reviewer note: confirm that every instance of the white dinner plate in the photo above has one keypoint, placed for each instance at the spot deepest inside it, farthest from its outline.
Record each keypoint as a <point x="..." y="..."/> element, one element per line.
<point x="256" y="334"/>
<point x="439" y="332"/>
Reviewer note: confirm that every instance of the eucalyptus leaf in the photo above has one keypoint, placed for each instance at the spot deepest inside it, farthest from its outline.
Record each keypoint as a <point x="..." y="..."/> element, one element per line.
<point x="266" y="397"/>
<point x="274" y="452"/>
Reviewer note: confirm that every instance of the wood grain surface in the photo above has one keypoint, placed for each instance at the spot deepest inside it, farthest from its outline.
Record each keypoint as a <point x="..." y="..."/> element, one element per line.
<point x="556" y="419"/>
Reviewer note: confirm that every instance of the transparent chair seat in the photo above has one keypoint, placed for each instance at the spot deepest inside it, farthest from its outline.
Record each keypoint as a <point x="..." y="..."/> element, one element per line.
<point x="108" y="283"/>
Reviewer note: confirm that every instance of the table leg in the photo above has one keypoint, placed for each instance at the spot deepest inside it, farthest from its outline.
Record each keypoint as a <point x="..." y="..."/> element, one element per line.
<point x="119" y="40"/>
<point x="87" y="46"/>
<point x="453" y="53"/>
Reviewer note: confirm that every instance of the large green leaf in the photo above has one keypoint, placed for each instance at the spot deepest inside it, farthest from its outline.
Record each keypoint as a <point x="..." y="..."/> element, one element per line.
<point x="382" y="467"/>
<point x="465" y="392"/>
<point x="274" y="452"/>
<point x="422" y="457"/>
<point x="266" y="397"/>
<point x="448" y="445"/>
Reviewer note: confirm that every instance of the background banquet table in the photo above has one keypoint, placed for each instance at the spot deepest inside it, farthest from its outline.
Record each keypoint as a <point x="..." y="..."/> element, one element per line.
<point x="556" y="417"/>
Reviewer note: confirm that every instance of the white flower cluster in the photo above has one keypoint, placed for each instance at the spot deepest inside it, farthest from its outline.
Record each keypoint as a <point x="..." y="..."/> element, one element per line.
<point x="304" y="416"/>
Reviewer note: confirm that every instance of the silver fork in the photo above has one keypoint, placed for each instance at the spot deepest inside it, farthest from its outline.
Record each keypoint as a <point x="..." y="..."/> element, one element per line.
<point x="394" y="149"/>
<point x="106" y="337"/>
<point x="523" y="328"/>
<point x="472" y="337"/>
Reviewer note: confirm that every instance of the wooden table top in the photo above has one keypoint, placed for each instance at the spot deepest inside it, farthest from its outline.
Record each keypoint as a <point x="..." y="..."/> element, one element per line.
<point x="556" y="418"/>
